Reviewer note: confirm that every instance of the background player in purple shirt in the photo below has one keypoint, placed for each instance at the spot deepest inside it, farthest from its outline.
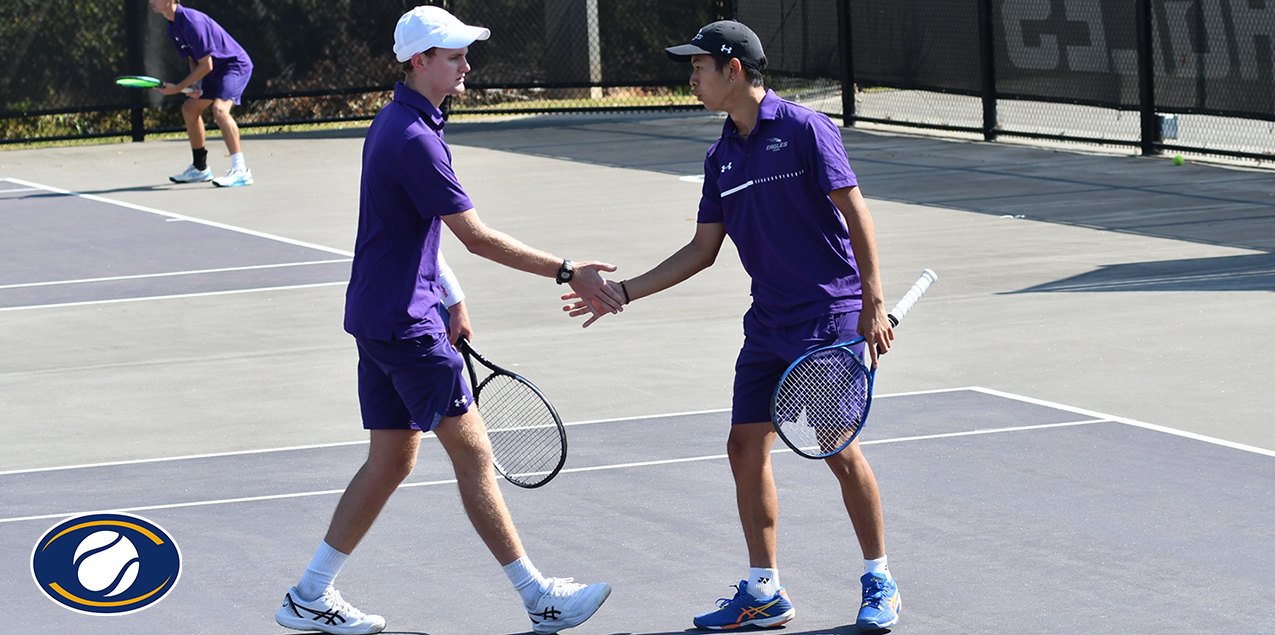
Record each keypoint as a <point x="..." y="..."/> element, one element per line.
<point x="778" y="182"/>
<point x="410" y="374"/>
<point x="219" y="73"/>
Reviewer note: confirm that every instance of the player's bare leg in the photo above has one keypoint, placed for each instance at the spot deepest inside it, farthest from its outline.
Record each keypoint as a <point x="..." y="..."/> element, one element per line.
<point x="466" y="442"/>
<point x="229" y="129"/>
<point x="748" y="447"/>
<point x="760" y="600"/>
<point x="391" y="458"/>
<point x="192" y="113"/>
<point x="862" y="498"/>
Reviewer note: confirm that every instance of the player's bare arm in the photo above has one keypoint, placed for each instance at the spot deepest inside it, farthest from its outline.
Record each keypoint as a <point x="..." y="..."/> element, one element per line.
<point x="697" y="255"/>
<point x="874" y="323"/>
<point x="198" y="69"/>
<point x="458" y="325"/>
<point x="502" y="248"/>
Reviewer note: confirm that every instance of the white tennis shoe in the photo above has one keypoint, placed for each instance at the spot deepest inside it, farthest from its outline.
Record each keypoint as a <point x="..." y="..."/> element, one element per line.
<point x="566" y="604"/>
<point x="234" y="178"/>
<point x="329" y="614"/>
<point x="192" y="175"/>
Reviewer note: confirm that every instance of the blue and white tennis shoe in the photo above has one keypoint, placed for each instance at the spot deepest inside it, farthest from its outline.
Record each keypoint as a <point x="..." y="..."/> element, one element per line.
<point x="192" y="175"/>
<point x="881" y="602"/>
<point x="234" y="178"/>
<point x="746" y="610"/>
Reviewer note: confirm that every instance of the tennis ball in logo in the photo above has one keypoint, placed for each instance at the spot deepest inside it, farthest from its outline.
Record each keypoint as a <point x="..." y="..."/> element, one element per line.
<point x="106" y="560"/>
<point x="1178" y="160"/>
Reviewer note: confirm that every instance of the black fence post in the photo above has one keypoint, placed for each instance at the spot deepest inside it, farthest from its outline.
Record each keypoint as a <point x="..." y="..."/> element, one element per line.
<point x="1146" y="80"/>
<point x="726" y="9"/>
<point x="987" y="68"/>
<point x="845" y="37"/>
<point x="134" y="23"/>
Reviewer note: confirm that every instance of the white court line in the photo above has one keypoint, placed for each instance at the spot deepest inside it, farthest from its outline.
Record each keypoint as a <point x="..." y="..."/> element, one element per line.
<point x="1129" y="422"/>
<point x="151" y="210"/>
<point x="194" y="272"/>
<point x="20" y="189"/>
<point x="169" y="297"/>
<point x="1097" y="416"/>
<point x="595" y="468"/>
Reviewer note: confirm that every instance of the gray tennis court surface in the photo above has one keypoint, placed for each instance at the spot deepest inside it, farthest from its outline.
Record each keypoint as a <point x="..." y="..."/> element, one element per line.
<point x="177" y="351"/>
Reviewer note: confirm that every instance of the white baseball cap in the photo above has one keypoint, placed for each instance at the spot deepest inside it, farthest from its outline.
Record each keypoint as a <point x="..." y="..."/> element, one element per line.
<point x="426" y="27"/>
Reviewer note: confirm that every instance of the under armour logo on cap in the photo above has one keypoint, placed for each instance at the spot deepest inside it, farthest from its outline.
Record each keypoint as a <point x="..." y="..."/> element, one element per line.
<point x="725" y="37"/>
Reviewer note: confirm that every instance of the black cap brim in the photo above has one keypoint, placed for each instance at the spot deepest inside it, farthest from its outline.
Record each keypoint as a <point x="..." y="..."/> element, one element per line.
<point x="684" y="52"/>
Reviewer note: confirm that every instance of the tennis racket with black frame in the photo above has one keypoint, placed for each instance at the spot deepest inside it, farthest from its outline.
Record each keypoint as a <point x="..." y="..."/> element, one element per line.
<point x="144" y="81"/>
<point x="822" y="400"/>
<point x="528" y="440"/>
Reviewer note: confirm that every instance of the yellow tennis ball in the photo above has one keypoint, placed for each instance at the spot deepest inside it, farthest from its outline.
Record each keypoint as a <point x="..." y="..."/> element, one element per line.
<point x="1178" y="160"/>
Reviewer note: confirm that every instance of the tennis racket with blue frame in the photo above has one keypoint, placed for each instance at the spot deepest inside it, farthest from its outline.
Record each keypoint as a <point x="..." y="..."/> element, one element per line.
<point x="822" y="400"/>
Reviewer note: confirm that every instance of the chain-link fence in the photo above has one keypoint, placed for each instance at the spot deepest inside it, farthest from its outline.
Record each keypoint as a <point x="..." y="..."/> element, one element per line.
<point x="1178" y="75"/>
<point x="324" y="60"/>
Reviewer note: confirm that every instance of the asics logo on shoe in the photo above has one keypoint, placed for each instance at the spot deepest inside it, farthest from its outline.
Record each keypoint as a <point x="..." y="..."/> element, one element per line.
<point x="550" y="613"/>
<point x="748" y="612"/>
<point x="324" y="617"/>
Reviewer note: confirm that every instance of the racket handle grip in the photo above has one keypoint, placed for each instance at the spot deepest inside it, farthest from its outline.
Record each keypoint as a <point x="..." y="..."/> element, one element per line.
<point x="909" y="300"/>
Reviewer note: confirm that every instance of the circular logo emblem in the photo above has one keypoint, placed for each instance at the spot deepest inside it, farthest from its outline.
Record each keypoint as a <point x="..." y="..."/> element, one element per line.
<point x="106" y="564"/>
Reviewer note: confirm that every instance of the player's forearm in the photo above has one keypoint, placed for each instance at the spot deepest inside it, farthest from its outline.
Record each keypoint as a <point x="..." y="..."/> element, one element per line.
<point x="500" y="247"/>
<point x="198" y="69"/>
<point x="695" y="257"/>
<point x="863" y="244"/>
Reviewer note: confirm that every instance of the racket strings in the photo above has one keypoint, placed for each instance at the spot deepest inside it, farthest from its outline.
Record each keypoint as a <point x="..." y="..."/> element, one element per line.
<point x="525" y="439"/>
<point x="821" y="402"/>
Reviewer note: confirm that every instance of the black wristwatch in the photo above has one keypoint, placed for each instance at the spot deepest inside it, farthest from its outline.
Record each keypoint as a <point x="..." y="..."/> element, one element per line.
<point x="565" y="272"/>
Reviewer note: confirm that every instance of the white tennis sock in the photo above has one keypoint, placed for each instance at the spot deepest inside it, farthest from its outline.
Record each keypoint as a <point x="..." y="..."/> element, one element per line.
<point x="763" y="583"/>
<point x="527" y="580"/>
<point x="237" y="162"/>
<point x="877" y="566"/>
<point x="322" y="571"/>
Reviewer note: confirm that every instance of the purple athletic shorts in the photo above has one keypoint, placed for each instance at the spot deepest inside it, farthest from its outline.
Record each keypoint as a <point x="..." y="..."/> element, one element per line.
<point x="410" y="384"/>
<point x="226" y="83"/>
<point x="768" y="352"/>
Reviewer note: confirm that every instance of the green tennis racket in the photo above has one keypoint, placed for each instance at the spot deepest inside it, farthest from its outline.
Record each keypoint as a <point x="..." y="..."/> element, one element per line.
<point x="143" y="81"/>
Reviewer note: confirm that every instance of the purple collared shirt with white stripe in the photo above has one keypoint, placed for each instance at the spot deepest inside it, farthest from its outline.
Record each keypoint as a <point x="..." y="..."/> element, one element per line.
<point x="771" y="191"/>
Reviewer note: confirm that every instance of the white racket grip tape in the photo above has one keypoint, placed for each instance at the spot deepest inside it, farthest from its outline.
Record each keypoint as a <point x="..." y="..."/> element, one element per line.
<point x="909" y="300"/>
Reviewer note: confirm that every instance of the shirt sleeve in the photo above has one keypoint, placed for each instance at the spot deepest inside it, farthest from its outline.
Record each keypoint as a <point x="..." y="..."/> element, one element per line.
<point x="831" y="165"/>
<point x="426" y="167"/>
<point x="198" y="38"/>
<point x="710" y="202"/>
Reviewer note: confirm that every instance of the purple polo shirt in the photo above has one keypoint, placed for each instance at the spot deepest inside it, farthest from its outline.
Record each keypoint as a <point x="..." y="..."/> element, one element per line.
<point x="771" y="192"/>
<point x="407" y="185"/>
<point x="197" y="36"/>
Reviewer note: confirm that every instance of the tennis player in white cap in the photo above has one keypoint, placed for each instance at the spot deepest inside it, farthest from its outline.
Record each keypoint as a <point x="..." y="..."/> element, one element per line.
<point x="410" y="374"/>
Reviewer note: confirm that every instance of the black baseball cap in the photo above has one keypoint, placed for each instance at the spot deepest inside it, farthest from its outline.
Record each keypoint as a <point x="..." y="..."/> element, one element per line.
<point x="726" y="38"/>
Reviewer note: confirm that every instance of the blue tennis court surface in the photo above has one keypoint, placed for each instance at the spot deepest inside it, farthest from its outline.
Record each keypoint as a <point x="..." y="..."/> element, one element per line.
<point x="176" y="352"/>
<point x="60" y="247"/>
<point x="1003" y="513"/>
